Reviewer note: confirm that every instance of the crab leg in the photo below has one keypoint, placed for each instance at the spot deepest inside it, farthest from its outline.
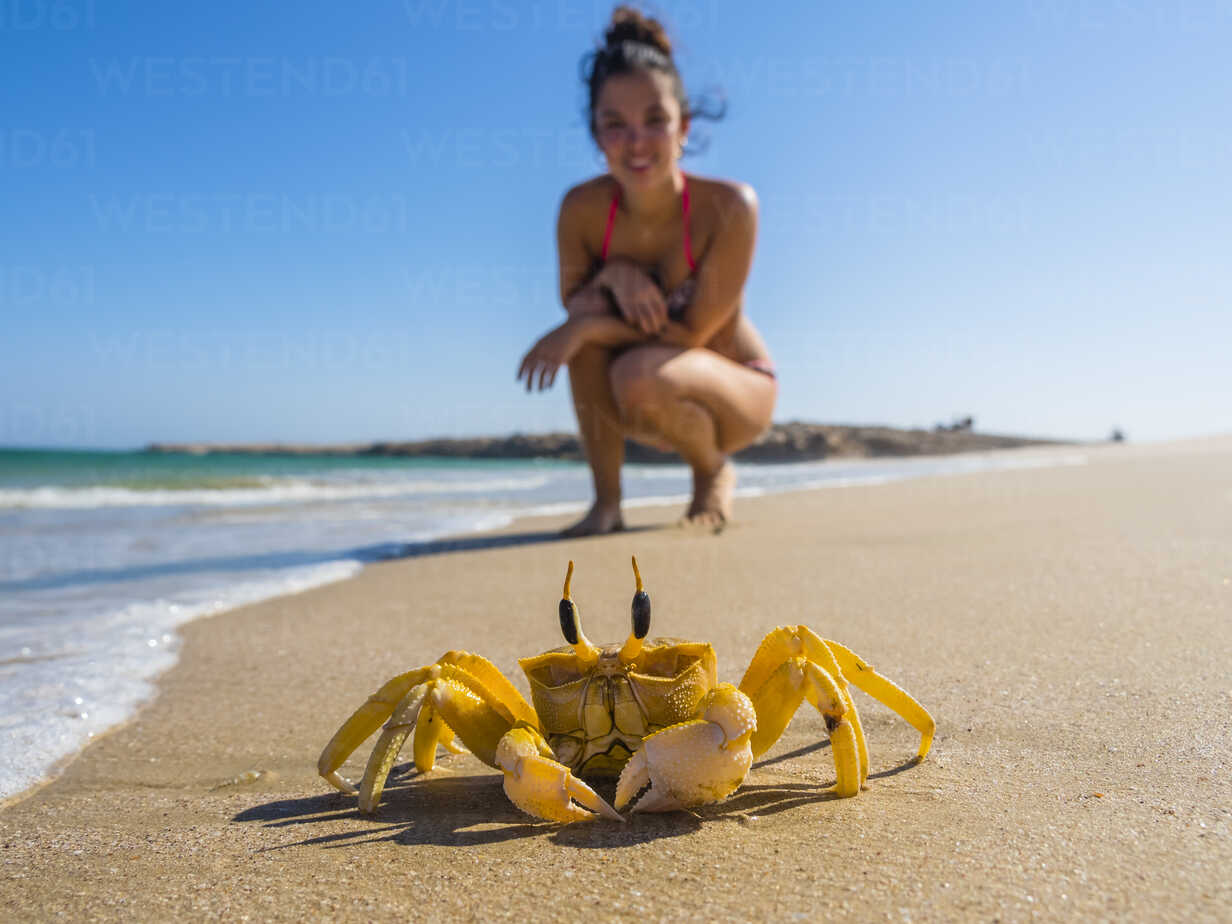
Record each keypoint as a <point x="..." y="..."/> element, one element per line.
<point x="818" y="651"/>
<point x="428" y="729"/>
<point x="381" y="761"/>
<point x="362" y="723"/>
<point x="471" y="671"/>
<point x="861" y="673"/>
<point x="449" y="699"/>
<point x="448" y="740"/>
<point x="825" y="696"/>
<point x="780" y="696"/>
<point x="694" y="762"/>
<point x="853" y="716"/>
<point x="494" y="682"/>
<point x="777" y="703"/>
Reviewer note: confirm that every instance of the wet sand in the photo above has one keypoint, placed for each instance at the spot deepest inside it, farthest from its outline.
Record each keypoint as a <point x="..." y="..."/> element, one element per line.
<point x="1070" y="628"/>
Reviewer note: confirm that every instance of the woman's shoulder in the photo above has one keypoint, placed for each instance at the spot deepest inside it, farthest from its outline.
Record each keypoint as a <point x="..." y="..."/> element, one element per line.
<point x="589" y="195"/>
<point x="726" y="198"/>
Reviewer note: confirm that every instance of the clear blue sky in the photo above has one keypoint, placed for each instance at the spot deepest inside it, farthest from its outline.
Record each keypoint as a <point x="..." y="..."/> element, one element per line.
<point x="314" y="222"/>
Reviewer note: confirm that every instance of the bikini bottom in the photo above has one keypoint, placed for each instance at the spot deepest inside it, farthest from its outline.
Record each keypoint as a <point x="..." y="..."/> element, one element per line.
<point x="761" y="365"/>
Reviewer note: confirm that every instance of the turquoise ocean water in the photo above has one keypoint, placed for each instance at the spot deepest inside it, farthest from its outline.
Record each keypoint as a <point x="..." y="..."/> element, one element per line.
<point x="104" y="554"/>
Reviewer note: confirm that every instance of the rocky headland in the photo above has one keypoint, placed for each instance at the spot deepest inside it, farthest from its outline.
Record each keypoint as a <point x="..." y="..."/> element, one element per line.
<point x="785" y="442"/>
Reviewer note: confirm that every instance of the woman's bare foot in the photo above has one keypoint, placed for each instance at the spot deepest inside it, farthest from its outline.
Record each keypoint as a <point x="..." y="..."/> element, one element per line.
<point x="712" y="498"/>
<point x="601" y="519"/>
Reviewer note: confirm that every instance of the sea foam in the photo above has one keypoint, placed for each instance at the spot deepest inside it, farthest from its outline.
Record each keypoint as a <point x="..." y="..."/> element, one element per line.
<point x="70" y="679"/>
<point x="274" y="491"/>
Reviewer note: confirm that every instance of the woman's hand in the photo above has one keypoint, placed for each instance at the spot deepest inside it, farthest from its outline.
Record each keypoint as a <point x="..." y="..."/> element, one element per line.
<point x="554" y="349"/>
<point x="637" y="296"/>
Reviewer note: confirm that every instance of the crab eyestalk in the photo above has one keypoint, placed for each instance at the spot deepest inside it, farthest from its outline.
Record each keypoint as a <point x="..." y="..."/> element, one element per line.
<point x="641" y="619"/>
<point x="571" y="625"/>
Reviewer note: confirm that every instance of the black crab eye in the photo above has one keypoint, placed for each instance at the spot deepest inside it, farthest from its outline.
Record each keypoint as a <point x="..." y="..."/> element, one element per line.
<point x="641" y="606"/>
<point x="641" y="614"/>
<point x="569" y="619"/>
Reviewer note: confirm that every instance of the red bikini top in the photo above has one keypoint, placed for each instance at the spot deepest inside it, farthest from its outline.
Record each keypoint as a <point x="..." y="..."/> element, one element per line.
<point x="684" y="210"/>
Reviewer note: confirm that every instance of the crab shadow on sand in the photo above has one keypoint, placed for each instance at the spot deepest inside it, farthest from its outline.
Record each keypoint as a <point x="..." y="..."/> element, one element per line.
<point x="452" y="807"/>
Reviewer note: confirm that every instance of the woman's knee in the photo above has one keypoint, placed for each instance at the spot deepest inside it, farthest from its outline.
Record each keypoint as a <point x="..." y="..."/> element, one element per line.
<point x="638" y="383"/>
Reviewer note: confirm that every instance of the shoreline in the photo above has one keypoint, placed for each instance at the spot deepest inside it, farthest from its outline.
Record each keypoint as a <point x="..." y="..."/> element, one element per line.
<point x="487" y="536"/>
<point x="1042" y="614"/>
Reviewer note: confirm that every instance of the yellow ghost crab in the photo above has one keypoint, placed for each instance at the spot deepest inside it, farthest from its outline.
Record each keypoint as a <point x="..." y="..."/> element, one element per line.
<point x="648" y="710"/>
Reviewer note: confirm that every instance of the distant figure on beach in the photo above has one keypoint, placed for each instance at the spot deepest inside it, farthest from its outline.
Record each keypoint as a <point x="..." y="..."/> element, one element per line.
<point x="652" y="271"/>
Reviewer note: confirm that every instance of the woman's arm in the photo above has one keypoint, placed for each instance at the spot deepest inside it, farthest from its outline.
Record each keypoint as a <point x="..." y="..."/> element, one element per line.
<point x="611" y="331"/>
<point x="721" y="278"/>
<point x="558" y="346"/>
<point x="574" y="258"/>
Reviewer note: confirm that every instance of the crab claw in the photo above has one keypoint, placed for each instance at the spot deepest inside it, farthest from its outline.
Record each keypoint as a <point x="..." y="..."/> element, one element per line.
<point x="694" y="762"/>
<point x="544" y="787"/>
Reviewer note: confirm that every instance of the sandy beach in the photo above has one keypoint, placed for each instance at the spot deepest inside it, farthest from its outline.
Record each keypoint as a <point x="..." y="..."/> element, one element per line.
<point x="1069" y="627"/>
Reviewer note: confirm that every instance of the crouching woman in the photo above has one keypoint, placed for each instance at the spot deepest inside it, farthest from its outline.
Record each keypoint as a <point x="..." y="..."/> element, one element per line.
<point x="653" y="264"/>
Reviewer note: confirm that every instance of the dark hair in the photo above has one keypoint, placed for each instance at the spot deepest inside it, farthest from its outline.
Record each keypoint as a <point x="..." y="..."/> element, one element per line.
<point x="636" y="42"/>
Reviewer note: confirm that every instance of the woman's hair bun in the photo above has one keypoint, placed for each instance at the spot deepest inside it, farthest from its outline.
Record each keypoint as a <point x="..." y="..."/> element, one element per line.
<point x="631" y="25"/>
<point x="635" y="42"/>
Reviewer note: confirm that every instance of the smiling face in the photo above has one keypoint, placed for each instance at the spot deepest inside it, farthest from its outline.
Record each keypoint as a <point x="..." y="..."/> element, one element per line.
<point x="639" y="127"/>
